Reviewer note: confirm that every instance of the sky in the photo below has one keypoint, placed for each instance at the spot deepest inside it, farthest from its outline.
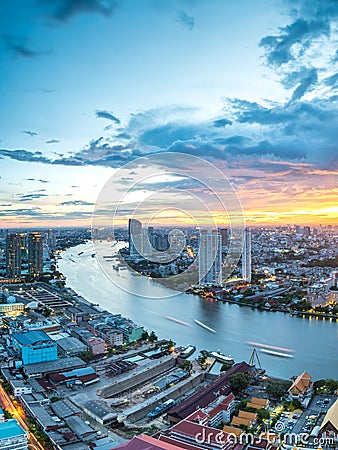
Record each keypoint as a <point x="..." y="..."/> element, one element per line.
<point x="88" y="86"/>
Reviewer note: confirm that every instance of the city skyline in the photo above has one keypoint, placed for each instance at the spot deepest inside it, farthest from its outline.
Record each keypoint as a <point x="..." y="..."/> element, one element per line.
<point x="89" y="86"/>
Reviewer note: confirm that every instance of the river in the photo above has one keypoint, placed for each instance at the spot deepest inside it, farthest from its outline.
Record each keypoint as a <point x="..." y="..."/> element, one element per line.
<point x="314" y="341"/>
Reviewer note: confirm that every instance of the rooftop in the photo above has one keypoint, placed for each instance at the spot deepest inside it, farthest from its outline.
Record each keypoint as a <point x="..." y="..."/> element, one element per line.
<point x="54" y="366"/>
<point x="31" y="337"/>
<point x="11" y="428"/>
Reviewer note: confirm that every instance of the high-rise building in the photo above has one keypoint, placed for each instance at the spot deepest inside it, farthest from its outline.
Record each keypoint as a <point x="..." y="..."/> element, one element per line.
<point x="224" y="232"/>
<point x="35" y="254"/>
<point x="50" y="239"/>
<point x="13" y="255"/>
<point x="210" y="257"/>
<point x="246" y="256"/>
<point x="135" y="236"/>
<point x="12" y="436"/>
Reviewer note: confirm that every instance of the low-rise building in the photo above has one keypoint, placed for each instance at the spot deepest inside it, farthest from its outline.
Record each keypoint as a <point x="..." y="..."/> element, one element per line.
<point x="12" y="436"/>
<point x="70" y="346"/>
<point x="20" y="387"/>
<point x="96" y="345"/>
<point x="302" y="387"/>
<point x="34" y="347"/>
<point x="329" y="426"/>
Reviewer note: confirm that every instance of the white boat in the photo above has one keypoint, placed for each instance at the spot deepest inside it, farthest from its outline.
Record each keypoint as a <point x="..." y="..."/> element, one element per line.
<point x="188" y="351"/>
<point x="281" y="355"/>
<point x="222" y="358"/>
<point x="201" y="324"/>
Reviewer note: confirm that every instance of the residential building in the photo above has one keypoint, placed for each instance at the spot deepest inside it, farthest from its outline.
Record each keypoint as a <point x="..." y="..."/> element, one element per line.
<point x="20" y="387"/>
<point x="135" y="237"/>
<point x="35" y="254"/>
<point x="96" y="345"/>
<point x="210" y="257"/>
<point x="13" y="255"/>
<point x="34" y="347"/>
<point x="12" y="436"/>
<point x="246" y="256"/>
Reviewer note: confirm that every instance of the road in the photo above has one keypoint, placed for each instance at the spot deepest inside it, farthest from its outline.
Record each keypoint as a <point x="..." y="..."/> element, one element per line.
<point x="19" y="415"/>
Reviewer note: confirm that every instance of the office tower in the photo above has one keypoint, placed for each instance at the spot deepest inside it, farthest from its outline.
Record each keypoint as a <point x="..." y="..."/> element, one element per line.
<point x="13" y="255"/>
<point x="135" y="237"/>
<point x="146" y="244"/>
<point x="210" y="257"/>
<point x="12" y="436"/>
<point x="224" y="232"/>
<point x="35" y="252"/>
<point x="246" y="256"/>
<point x="161" y="242"/>
<point x="50" y="239"/>
<point x="151" y="236"/>
<point x="306" y="232"/>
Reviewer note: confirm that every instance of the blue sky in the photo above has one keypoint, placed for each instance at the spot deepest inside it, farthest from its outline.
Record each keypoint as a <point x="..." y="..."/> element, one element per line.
<point x="88" y="85"/>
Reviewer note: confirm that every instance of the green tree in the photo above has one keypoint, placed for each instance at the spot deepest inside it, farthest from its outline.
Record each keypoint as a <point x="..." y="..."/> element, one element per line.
<point x="263" y="414"/>
<point x="239" y="382"/>
<point x="153" y="337"/>
<point x="278" y="389"/>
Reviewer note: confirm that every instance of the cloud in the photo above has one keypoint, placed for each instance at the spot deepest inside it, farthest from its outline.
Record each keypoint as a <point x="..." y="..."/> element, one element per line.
<point x="218" y="123"/>
<point x="103" y="114"/>
<point x="24" y="155"/>
<point x="30" y="197"/>
<point x="19" y="46"/>
<point x="186" y="20"/>
<point x="308" y="81"/>
<point x="62" y="10"/>
<point x="52" y="141"/>
<point x="29" y="133"/>
<point x="76" y="203"/>
<point x="279" y="48"/>
<point x="37" y="179"/>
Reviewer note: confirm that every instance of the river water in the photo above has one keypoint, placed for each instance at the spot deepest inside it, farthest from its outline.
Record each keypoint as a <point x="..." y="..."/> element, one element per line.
<point x="314" y="341"/>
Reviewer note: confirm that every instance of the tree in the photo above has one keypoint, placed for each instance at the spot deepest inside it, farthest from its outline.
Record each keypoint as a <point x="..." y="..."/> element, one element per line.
<point x="263" y="414"/>
<point x="152" y="337"/>
<point x="331" y="385"/>
<point x="239" y="382"/>
<point x="225" y="367"/>
<point x="186" y="365"/>
<point x="278" y="389"/>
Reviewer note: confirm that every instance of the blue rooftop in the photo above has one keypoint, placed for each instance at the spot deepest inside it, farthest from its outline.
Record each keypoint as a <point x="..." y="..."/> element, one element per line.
<point x="10" y="428"/>
<point x="31" y="337"/>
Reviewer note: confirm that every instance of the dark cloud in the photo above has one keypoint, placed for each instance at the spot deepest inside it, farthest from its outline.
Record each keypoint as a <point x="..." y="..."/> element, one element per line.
<point x="186" y="20"/>
<point x="76" y="203"/>
<point x="279" y="48"/>
<point x="62" y="10"/>
<point x="52" y="141"/>
<point x="29" y="133"/>
<point x="24" y="155"/>
<point x="308" y="81"/>
<point x="19" y="46"/>
<point x="37" y="179"/>
<point x="30" y="197"/>
<point x="103" y="114"/>
<point x="219" y="123"/>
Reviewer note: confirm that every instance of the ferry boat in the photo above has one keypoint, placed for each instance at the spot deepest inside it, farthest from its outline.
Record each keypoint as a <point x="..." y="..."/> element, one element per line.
<point x="228" y="359"/>
<point x="187" y="351"/>
<point x="203" y="325"/>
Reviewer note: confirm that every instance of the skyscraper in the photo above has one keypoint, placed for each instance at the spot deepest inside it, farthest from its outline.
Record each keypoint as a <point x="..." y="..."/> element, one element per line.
<point x="13" y="255"/>
<point x="210" y="257"/>
<point x="35" y="248"/>
<point x="135" y="236"/>
<point x="224" y="232"/>
<point x="50" y="239"/>
<point x="246" y="256"/>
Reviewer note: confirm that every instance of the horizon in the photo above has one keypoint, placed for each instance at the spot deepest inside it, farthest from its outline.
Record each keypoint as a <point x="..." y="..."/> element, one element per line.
<point x="90" y="87"/>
